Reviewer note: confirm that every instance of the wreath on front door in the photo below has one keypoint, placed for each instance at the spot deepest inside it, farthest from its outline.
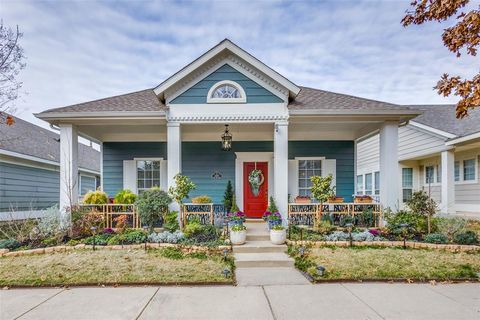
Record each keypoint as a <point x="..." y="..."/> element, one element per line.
<point x="256" y="179"/>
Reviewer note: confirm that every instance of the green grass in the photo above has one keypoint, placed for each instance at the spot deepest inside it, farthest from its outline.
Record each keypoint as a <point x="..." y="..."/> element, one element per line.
<point x="163" y="266"/>
<point x="362" y="263"/>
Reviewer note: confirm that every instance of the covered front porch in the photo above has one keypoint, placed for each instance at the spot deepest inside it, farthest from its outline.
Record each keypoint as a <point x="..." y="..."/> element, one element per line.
<point x="144" y="153"/>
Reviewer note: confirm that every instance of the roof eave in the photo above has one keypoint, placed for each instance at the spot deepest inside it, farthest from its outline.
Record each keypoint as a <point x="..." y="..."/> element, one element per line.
<point x="52" y="116"/>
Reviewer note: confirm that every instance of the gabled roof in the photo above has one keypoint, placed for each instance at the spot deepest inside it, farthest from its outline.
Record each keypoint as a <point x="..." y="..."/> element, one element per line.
<point x="442" y="117"/>
<point x="310" y="98"/>
<point x="28" y="139"/>
<point x="226" y="45"/>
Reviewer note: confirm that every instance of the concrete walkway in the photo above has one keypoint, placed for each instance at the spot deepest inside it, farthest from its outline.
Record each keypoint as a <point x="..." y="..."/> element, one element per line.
<point x="322" y="301"/>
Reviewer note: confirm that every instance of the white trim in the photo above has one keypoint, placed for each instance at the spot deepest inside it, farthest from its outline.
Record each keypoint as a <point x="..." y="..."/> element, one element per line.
<point x="101" y="166"/>
<point x="242" y="157"/>
<point x="372" y="112"/>
<point x="80" y="183"/>
<point x="226" y="45"/>
<point x="213" y="88"/>
<point x="46" y="115"/>
<point x="432" y="130"/>
<point x="27" y="157"/>
<point x="163" y="179"/>
<point x="463" y="139"/>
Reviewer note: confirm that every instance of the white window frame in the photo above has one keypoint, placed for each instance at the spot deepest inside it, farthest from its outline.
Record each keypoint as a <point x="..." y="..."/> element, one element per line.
<point x="475" y="166"/>
<point x="375" y="183"/>
<point x="360" y="192"/>
<point x="80" y="183"/>
<point x="371" y="184"/>
<point x="242" y="99"/>
<point x="322" y="168"/>
<point x="412" y="186"/>
<point x="461" y="166"/>
<point x="434" y="178"/>
<point x="454" y="171"/>
<point x="161" y="178"/>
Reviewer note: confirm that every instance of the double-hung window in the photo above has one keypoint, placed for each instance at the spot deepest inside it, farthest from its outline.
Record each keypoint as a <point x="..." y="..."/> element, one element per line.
<point x="407" y="183"/>
<point x="306" y="170"/>
<point x="368" y="184"/>
<point x="469" y="170"/>
<point x="377" y="182"/>
<point x="360" y="184"/>
<point x="148" y="174"/>
<point x="457" y="170"/>
<point x="439" y="173"/>
<point x="429" y="174"/>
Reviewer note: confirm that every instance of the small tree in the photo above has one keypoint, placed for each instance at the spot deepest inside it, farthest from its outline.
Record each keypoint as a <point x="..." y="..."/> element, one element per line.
<point x="422" y="204"/>
<point x="322" y="188"/>
<point x="228" y="197"/>
<point x="234" y="207"/>
<point x="272" y="206"/>
<point x="183" y="186"/>
<point x="151" y="205"/>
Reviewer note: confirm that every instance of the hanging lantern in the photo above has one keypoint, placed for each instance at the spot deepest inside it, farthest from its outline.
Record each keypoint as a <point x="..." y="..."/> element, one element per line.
<point x="226" y="140"/>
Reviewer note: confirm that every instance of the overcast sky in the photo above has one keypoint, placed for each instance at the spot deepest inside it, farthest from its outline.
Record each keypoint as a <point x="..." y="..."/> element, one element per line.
<point x="85" y="50"/>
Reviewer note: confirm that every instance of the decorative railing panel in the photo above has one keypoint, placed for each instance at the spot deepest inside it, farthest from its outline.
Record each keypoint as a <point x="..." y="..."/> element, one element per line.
<point x="112" y="211"/>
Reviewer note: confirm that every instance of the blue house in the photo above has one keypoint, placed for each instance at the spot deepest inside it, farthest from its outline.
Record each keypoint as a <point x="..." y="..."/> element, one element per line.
<point x="281" y="134"/>
<point x="30" y="169"/>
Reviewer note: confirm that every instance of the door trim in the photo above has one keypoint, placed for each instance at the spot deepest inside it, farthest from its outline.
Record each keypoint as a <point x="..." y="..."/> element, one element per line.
<point x="242" y="157"/>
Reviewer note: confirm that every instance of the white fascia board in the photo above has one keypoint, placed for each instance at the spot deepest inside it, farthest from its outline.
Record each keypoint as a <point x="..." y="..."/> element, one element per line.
<point x="472" y="136"/>
<point x="39" y="160"/>
<point x="226" y="45"/>
<point x="98" y="115"/>
<point x="426" y="154"/>
<point x="432" y="130"/>
<point x="354" y="112"/>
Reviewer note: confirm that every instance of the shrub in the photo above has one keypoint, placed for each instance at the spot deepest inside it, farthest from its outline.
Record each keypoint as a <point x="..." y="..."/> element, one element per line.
<point x="116" y="240"/>
<point x="367" y="218"/>
<point x="322" y="188"/>
<point x="135" y="236"/>
<point x="50" y="241"/>
<point x="436" y="238"/>
<point x="53" y="223"/>
<point x="468" y="237"/>
<point x="228" y="197"/>
<point x="82" y="223"/>
<point x="121" y="222"/>
<point x="416" y="223"/>
<point x="10" y="244"/>
<point x="239" y="227"/>
<point x="125" y="196"/>
<point x="451" y="226"/>
<point x="172" y="253"/>
<point x="337" y="236"/>
<point x="277" y="227"/>
<point x="100" y="239"/>
<point x="151" y="205"/>
<point x="95" y="197"/>
<point x="202" y="199"/>
<point x="166" y="237"/>
<point x="183" y="186"/>
<point x="21" y="231"/>
<point x="171" y="221"/>
<point x="198" y="233"/>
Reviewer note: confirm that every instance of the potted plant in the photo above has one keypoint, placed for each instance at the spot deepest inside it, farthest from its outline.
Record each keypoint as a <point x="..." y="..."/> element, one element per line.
<point x="274" y="219"/>
<point x="238" y="234"/>
<point x="363" y="199"/>
<point x="202" y="200"/>
<point x="278" y="234"/>
<point x="303" y="199"/>
<point x="236" y="218"/>
<point x="336" y="199"/>
<point x="322" y="189"/>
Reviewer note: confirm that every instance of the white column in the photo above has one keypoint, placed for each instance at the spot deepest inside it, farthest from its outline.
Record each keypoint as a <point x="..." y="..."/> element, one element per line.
<point x="174" y="154"/>
<point x="280" y="167"/>
<point x="389" y="174"/>
<point x="448" y="181"/>
<point x="68" y="166"/>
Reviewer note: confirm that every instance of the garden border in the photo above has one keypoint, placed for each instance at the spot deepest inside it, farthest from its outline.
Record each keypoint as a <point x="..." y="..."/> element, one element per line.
<point x="65" y="248"/>
<point x="386" y="244"/>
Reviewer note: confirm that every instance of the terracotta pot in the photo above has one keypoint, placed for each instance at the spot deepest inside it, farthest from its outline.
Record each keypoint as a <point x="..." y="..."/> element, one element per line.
<point x="336" y="200"/>
<point x="278" y="236"/>
<point x="303" y="200"/>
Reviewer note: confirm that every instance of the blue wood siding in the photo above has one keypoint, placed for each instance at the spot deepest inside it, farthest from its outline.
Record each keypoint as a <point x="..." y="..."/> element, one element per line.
<point x="198" y="93"/>
<point x="342" y="151"/>
<point x="115" y="152"/>
<point x="25" y="188"/>
<point x="87" y="183"/>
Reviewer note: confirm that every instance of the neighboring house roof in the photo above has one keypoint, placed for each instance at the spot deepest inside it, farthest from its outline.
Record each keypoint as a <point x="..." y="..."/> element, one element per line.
<point x="442" y="117"/>
<point x="31" y="140"/>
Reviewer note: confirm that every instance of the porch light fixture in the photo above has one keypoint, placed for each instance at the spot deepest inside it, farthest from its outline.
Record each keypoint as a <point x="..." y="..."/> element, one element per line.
<point x="93" y="229"/>
<point x="349" y="227"/>
<point x="226" y="140"/>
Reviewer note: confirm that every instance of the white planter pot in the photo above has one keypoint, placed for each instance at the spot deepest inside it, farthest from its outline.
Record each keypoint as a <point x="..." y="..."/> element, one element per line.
<point x="238" y="237"/>
<point x="278" y="236"/>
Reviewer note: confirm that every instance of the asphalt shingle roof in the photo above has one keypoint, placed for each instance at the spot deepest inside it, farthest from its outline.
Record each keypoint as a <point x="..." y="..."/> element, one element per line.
<point x="442" y="117"/>
<point x="29" y="139"/>
<point x="144" y="100"/>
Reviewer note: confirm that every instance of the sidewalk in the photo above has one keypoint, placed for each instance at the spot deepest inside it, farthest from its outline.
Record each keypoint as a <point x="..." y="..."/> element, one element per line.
<point x="323" y="301"/>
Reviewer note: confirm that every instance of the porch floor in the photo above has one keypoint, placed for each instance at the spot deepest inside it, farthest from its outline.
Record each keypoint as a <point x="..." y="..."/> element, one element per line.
<point x="259" y="262"/>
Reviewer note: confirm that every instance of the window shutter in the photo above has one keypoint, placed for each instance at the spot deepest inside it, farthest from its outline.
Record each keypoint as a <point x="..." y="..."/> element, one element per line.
<point x="163" y="175"/>
<point x="293" y="178"/>
<point x="330" y="167"/>
<point x="130" y="175"/>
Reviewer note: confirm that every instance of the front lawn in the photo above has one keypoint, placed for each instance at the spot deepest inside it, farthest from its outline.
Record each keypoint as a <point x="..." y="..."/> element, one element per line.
<point x="161" y="266"/>
<point x="364" y="263"/>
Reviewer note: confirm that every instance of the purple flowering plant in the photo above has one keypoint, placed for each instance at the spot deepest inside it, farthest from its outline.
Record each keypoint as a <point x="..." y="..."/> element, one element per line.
<point x="266" y="214"/>
<point x="239" y="215"/>
<point x="374" y="232"/>
<point x="274" y="216"/>
<point x="108" y="231"/>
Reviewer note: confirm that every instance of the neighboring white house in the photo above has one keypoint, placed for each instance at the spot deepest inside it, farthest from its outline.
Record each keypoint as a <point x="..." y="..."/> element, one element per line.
<point x="437" y="153"/>
<point x="30" y="169"/>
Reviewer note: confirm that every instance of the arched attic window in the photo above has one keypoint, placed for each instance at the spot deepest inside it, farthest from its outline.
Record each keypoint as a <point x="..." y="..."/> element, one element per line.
<point x="226" y="91"/>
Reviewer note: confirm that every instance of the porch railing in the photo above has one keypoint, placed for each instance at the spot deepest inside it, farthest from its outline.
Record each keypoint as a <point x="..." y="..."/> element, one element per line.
<point x="111" y="211"/>
<point x="307" y="213"/>
<point x="208" y="213"/>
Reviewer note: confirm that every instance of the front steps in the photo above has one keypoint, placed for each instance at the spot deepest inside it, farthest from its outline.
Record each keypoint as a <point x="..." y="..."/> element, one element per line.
<point x="259" y="262"/>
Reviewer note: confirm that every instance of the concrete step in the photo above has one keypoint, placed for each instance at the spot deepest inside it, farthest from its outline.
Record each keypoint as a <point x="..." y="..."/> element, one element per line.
<point x="263" y="260"/>
<point x="258" y="237"/>
<point x="269" y="276"/>
<point x="259" y="247"/>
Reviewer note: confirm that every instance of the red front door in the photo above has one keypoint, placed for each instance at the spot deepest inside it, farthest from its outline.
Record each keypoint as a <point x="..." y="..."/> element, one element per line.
<point x="255" y="202"/>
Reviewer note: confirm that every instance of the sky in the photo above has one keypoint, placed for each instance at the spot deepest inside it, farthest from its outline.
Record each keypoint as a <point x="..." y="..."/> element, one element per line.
<point x="79" y="51"/>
